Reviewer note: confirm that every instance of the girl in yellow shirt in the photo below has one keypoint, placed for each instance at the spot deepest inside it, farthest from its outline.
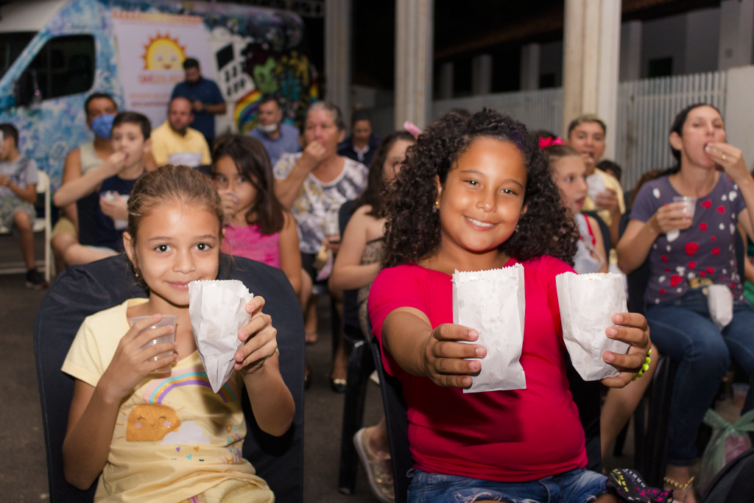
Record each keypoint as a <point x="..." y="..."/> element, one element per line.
<point x="169" y="437"/>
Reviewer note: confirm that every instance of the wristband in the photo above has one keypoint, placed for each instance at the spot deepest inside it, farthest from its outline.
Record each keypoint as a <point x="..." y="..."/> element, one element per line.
<point x="644" y="367"/>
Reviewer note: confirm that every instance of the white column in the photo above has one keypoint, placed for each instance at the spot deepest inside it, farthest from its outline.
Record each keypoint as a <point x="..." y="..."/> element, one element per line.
<point x="630" y="51"/>
<point x="591" y="61"/>
<point x="736" y="25"/>
<point x="338" y="54"/>
<point x="446" y="81"/>
<point x="530" y="67"/>
<point x="739" y="110"/>
<point x="481" y="75"/>
<point x="413" y="61"/>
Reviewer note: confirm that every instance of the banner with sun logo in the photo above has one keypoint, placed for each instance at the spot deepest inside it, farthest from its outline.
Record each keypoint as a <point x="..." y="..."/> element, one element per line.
<point x="151" y="60"/>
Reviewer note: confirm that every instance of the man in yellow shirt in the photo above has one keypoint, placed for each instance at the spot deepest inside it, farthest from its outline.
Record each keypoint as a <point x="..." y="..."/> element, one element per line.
<point x="586" y="134"/>
<point x="175" y="142"/>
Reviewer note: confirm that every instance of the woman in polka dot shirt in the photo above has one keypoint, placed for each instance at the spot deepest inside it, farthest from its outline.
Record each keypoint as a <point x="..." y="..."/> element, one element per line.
<point x="686" y="255"/>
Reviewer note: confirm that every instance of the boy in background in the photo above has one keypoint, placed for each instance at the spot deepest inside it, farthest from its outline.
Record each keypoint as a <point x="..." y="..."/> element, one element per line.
<point x="114" y="181"/>
<point x="18" y="193"/>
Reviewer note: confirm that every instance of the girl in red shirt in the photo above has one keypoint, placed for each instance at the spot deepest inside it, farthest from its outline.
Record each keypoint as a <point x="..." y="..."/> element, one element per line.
<point x="477" y="194"/>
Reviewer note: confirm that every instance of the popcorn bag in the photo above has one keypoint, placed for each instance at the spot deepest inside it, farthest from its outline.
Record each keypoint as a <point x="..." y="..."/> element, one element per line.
<point x="587" y="304"/>
<point x="493" y="303"/>
<point x="218" y="312"/>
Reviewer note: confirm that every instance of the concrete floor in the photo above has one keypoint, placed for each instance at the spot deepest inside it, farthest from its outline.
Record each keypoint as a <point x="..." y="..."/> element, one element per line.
<point x="23" y="471"/>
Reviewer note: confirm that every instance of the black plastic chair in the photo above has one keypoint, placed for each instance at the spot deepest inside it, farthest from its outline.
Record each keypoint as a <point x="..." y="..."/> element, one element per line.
<point x="397" y="424"/>
<point x="360" y="366"/>
<point x="80" y="291"/>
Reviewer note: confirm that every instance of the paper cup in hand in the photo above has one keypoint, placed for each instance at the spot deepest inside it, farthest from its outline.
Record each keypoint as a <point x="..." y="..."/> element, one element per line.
<point x="167" y="320"/>
<point x="492" y="303"/>
<point x="596" y="185"/>
<point x="218" y="312"/>
<point x="587" y="305"/>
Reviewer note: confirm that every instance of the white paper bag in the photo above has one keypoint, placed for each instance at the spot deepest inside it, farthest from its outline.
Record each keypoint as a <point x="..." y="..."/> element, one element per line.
<point x="493" y="303"/>
<point x="218" y="312"/>
<point x="587" y="305"/>
<point x="596" y="185"/>
<point x="720" y="301"/>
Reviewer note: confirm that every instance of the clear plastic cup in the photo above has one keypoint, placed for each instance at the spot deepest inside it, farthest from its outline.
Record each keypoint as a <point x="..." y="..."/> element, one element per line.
<point x="690" y="203"/>
<point x="167" y="319"/>
<point x="740" y="390"/>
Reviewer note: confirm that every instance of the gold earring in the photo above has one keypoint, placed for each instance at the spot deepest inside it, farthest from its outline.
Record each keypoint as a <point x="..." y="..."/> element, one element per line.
<point x="437" y="204"/>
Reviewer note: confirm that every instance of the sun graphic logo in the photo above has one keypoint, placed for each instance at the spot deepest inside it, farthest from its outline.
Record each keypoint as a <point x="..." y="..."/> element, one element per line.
<point x="163" y="53"/>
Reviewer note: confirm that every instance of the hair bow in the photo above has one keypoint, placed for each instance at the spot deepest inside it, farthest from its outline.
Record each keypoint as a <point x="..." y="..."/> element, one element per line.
<point x="547" y="142"/>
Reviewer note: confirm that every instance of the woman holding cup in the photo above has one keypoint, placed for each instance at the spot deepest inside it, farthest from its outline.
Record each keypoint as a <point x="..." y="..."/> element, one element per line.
<point x="693" y="267"/>
<point x="313" y="185"/>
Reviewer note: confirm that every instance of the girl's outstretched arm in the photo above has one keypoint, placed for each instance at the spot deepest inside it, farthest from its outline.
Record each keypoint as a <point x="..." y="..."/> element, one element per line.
<point x="93" y="412"/>
<point x="438" y="354"/>
<point x="257" y="360"/>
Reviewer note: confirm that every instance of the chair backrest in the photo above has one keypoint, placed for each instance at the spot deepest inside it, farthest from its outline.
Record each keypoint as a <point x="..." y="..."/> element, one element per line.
<point x="604" y="230"/>
<point x="396" y="418"/>
<point x="638" y="279"/>
<point x="43" y="182"/>
<point x="350" y="297"/>
<point x="80" y="291"/>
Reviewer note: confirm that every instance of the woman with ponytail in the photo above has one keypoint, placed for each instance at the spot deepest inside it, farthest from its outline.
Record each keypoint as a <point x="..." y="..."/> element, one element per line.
<point x="689" y="252"/>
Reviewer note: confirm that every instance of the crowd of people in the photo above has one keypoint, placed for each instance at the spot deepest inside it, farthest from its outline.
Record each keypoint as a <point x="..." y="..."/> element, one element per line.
<point x="380" y="225"/>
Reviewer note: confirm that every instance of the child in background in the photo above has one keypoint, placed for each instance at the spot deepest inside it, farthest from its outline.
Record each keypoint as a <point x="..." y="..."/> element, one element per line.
<point x="170" y="447"/>
<point x="475" y="195"/>
<point x="18" y="193"/>
<point x="114" y="181"/>
<point x="356" y="266"/>
<point x="569" y="174"/>
<point x="257" y="225"/>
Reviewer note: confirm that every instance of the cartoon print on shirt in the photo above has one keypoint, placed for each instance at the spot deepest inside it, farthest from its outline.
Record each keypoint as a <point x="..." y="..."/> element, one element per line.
<point x="151" y="423"/>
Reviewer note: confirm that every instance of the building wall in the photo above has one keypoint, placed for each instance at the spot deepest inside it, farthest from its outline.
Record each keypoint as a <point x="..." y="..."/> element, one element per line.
<point x="551" y="61"/>
<point x="662" y="38"/>
<point x="702" y="40"/>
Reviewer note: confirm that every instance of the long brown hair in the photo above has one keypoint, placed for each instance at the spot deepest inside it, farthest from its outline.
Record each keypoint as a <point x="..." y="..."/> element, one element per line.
<point x="374" y="195"/>
<point x="253" y="163"/>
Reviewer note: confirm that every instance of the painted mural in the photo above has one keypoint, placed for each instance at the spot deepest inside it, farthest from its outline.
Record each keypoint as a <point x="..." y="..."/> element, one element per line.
<point x="248" y="51"/>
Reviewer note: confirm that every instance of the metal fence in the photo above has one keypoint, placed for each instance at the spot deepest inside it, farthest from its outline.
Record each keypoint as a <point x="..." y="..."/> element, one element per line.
<point x="537" y="109"/>
<point x="646" y="109"/>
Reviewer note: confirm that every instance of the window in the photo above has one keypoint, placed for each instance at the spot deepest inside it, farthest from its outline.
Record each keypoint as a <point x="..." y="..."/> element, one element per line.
<point x="65" y="66"/>
<point x="547" y="81"/>
<point x="660" y="67"/>
<point x="11" y="47"/>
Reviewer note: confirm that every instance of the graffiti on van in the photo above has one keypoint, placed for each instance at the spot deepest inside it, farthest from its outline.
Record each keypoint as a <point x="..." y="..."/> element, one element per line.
<point x="248" y="51"/>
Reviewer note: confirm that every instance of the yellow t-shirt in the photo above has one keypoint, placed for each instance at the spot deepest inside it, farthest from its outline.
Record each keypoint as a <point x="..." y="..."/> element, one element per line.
<point x="170" y="147"/>
<point x="611" y="183"/>
<point x="174" y="437"/>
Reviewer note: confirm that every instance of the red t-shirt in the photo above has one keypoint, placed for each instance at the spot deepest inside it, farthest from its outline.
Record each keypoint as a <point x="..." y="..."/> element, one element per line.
<point x="507" y="436"/>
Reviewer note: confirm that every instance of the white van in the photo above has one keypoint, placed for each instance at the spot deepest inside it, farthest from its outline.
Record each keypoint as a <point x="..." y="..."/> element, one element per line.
<point x="55" y="53"/>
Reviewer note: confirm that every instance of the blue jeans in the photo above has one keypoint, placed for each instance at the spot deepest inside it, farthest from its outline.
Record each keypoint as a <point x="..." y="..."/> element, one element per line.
<point x="575" y="486"/>
<point x="682" y="329"/>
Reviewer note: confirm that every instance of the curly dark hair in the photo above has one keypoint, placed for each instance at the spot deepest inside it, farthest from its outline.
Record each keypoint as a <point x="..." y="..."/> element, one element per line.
<point x="413" y="229"/>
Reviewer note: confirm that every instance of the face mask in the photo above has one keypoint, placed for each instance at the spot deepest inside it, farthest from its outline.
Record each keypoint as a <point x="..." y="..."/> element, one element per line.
<point x="271" y="128"/>
<point x="103" y="125"/>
